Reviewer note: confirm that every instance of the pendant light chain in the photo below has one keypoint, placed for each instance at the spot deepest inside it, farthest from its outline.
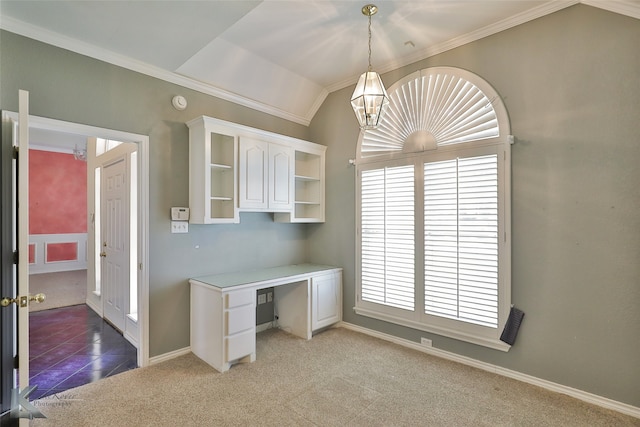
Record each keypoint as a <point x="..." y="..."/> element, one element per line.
<point x="369" y="42"/>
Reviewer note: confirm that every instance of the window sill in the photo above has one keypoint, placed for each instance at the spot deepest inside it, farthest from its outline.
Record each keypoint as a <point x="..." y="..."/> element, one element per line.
<point x="458" y="335"/>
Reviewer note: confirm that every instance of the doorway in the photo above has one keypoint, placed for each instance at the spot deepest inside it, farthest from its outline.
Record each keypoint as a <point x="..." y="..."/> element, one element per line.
<point x="70" y="343"/>
<point x="139" y="232"/>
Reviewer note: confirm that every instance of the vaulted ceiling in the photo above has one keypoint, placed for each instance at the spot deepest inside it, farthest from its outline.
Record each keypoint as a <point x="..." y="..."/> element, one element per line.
<point x="280" y="57"/>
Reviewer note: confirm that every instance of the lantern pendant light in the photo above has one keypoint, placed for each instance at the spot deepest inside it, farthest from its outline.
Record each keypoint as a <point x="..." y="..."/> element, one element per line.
<point x="369" y="100"/>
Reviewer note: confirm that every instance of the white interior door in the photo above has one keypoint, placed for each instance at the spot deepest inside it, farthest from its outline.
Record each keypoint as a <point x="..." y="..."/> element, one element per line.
<point x="115" y="250"/>
<point x="23" y="236"/>
<point x="20" y="406"/>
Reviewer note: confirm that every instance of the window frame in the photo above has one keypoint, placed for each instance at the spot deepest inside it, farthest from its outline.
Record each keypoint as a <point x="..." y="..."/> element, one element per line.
<point x="418" y="319"/>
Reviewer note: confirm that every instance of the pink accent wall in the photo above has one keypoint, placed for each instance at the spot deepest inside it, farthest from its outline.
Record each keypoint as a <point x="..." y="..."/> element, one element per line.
<point x="57" y="196"/>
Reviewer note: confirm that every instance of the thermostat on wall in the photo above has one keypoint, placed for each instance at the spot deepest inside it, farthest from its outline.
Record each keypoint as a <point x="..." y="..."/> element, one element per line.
<point x="180" y="214"/>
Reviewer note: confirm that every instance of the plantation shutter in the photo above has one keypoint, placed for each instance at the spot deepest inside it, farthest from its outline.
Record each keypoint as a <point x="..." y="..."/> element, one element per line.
<point x="388" y="242"/>
<point x="461" y="239"/>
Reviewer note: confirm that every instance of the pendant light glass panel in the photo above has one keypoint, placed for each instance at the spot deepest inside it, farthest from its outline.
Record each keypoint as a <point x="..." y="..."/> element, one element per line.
<point x="369" y="100"/>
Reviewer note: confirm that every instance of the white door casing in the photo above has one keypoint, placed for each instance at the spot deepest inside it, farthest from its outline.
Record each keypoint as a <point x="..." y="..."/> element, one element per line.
<point x="141" y="142"/>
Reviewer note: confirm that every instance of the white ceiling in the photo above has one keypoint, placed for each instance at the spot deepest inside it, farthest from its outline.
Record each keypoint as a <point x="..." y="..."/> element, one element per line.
<point x="280" y="57"/>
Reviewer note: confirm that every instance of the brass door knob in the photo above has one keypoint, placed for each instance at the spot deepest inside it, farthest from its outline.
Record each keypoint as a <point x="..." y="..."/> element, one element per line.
<point x="22" y="301"/>
<point x="37" y="298"/>
<point x="103" y="254"/>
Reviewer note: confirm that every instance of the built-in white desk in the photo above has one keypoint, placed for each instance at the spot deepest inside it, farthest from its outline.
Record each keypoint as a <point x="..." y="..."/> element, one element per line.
<point x="307" y="297"/>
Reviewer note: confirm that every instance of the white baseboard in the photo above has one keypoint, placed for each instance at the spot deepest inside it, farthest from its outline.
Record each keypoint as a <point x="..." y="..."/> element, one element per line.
<point x="168" y="356"/>
<point x="263" y="327"/>
<point x="93" y="306"/>
<point x="555" y="387"/>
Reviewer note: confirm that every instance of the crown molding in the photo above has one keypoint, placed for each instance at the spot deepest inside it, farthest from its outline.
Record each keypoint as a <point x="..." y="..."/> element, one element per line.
<point x="31" y="31"/>
<point x="623" y="7"/>
<point x="505" y="24"/>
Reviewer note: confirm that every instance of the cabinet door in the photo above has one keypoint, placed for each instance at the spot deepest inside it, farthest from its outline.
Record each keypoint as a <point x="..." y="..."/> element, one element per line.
<point x="253" y="174"/>
<point x="326" y="300"/>
<point x="281" y="177"/>
<point x="212" y="173"/>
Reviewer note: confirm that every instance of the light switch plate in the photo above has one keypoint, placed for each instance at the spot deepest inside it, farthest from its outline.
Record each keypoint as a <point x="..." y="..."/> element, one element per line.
<point x="179" y="227"/>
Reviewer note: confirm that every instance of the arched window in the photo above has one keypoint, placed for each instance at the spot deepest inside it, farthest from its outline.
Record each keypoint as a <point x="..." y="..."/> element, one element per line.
<point x="433" y="203"/>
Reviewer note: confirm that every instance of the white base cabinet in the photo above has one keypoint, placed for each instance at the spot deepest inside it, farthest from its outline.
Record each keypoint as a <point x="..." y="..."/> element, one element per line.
<point x="223" y="307"/>
<point x="326" y="300"/>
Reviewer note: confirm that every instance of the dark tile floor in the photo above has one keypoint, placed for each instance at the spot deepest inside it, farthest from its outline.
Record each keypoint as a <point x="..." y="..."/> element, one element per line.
<point x="73" y="346"/>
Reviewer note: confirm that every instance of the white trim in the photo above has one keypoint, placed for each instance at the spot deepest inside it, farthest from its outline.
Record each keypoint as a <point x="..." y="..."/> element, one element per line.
<point x="50" y="148"/>
<point x="446" y="332"/>
<point x="55" y="39"/>
<point x="513" y="21"/>
<point x="143" y="250"/>
<point x="168" y="356"/>
<point x="622" y="7"/>
<point x="263" y="327"/>
<point x="529" y="379"/>
<point x="41" y="241"/>
<point x="93" y="306"/>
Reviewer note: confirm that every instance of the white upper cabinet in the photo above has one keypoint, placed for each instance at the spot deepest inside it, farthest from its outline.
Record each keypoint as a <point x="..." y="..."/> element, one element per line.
<point x="265" y="180"/>
<point x="236" y="168"/>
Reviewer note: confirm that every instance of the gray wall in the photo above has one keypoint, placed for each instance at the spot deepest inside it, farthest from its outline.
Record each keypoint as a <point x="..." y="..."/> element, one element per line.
<point x="74" y="88"/>
<point x="571" y="85"/>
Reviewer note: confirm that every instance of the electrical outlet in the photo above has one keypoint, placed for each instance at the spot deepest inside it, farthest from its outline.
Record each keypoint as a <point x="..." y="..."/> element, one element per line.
<point x="270" y="297"/>
<point x="426" y="342"/>
<point x="179" y="227"/>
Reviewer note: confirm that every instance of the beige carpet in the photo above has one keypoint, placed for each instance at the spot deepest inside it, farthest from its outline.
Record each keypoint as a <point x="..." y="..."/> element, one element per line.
<point x="339" y="378"/>
<point x="62" y="289"/>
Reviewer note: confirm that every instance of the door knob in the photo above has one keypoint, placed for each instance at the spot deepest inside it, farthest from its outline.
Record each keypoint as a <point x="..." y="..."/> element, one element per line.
<point x="103" y="254"/>
<point x="38" y="298"/>
<point x="22" y="301"/>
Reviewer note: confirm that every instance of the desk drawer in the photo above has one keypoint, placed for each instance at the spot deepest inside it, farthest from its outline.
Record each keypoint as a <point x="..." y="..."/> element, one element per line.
<point x="239" y="298"/>
<point x="241" y="345"/>
<point x="240" y="319"/>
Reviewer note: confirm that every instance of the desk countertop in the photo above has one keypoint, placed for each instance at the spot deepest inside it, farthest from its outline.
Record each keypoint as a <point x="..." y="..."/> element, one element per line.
<point x="227" y="280"/>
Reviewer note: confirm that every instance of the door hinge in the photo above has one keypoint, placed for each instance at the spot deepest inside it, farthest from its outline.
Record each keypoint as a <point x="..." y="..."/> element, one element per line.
<point x="16" y="150"/>
<point x="16" y="363"/>
<point x="16" y="258"/>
